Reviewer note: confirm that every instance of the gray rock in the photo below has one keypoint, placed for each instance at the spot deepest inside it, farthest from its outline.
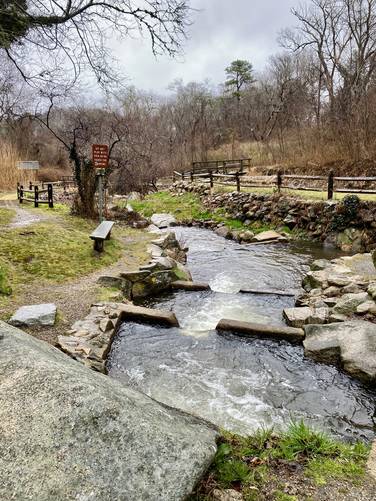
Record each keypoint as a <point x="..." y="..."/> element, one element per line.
<point x="71" y="433"/>
<point x="223" y="231"/>
<point x="34" y="315"/>
<point x="367" y="307"/>
<point x="352" y="289"/>
<point x="226" y="495"/>
<point x="348" y="303"/>
<point x="337" y="317"/>
<point x="153" y="229"/>
<point x="154" y="250"/>
<point x="372" y="290"/>
<point x="332" y="291"/>
<point x="135" y="276"/>
<point x="268" y="236"/>
<point x="246" y="236"/>
<point x="159" y="264"/>
<point x="167" y="241"/>
<point x="320" y="264"/>
<point x="352" y="344"/>
<point x="371" y="463"/>
<point x="319" y="316"/>
<point x="163" y="220"/>
<point x="297" y="317"/>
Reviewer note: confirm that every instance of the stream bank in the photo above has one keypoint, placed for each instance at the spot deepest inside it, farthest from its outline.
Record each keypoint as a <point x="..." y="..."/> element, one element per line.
<point x="238" y="384"/>
<point x="348" y="225"/>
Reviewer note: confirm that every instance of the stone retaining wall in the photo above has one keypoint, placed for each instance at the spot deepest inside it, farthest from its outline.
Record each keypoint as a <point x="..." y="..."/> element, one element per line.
<point x="89" y="340"/>
<point x="349" y="225"/>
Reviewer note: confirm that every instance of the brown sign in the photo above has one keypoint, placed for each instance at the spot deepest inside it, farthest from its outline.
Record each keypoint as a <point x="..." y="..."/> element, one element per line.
<point x="100" y="156"/>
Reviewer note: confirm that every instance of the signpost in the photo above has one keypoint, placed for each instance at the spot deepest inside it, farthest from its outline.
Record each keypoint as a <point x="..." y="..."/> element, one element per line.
<point x="28" y="165"/>
<point x="100" y="162"/>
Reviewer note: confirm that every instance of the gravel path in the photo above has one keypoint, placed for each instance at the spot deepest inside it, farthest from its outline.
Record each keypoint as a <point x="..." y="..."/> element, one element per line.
<point x="24" y="217"/>
<point x="72" y="298"/>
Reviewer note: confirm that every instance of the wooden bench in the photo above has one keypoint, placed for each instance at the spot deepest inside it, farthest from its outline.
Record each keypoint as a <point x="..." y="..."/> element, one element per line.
<point x="101" y="233"/>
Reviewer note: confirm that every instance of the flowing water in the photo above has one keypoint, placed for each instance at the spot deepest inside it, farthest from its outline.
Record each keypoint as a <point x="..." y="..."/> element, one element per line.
<point x="239" y="384"/>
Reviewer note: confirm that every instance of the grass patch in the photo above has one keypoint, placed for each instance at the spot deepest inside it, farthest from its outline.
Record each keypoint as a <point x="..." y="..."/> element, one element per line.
<point x="253" y="464"/>
<point x="53" y="252"/>
<point x="187" y="206"/>
<point x="6" y="216"/>
<point x="59" y="250"/>
<point x="5" y="288"/>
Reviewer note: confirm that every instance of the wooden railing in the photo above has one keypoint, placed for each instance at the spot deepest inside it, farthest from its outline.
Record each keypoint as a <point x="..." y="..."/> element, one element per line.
<point x="330" y="184"/>
<point x="221" y="166"/>
<point x="33" y="195"/>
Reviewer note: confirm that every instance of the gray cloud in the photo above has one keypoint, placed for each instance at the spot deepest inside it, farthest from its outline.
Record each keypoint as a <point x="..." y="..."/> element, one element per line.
<point x="222" y="31"/>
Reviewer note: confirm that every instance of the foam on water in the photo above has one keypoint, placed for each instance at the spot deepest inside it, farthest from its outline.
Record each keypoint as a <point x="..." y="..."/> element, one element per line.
<point x="236" y="383"/>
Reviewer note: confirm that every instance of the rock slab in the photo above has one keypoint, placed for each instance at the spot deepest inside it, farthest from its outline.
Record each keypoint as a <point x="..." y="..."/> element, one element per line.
<point x="34" y="315"/>
<point x="69" y="433"/>
<point x="163" y="220"/>
<point x="351" y="344"/>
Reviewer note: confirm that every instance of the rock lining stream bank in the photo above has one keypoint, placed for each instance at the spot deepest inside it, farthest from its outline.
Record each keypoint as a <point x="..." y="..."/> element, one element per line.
<point x="349" y="224"/>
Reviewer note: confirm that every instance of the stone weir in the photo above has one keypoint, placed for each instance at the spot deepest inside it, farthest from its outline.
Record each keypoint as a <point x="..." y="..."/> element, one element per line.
<point x="349" y="224"/>
<point x="89" y="340"/>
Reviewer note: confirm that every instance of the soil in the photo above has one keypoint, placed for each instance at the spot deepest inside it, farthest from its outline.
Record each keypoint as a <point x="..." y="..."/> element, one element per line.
<point x="72" y="298"/>
<point x="289" y="478"/>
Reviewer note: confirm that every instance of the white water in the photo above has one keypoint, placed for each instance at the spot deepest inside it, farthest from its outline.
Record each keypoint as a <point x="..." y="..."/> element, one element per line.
<point x="238" y="384"/>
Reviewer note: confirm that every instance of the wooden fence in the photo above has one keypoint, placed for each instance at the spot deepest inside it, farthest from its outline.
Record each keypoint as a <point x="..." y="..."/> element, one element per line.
<point x="330" y="184"/>
<point x="33" y="195"/>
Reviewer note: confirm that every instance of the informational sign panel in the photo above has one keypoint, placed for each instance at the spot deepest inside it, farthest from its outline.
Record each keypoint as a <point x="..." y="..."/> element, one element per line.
<point x="100" y="156"/>
<point x="28" y="165"/>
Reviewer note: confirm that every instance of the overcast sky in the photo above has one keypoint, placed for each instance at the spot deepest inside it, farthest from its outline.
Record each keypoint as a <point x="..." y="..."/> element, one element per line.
<point x="222" y="30"/>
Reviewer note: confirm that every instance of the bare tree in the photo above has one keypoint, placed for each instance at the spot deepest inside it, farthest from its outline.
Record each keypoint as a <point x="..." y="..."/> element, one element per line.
<point x="42" y="38"/>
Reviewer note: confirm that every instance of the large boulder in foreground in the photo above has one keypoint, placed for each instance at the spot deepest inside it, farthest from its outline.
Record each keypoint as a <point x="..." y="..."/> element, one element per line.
<point x="351" y="344"/>
<point x="69" y="433"/>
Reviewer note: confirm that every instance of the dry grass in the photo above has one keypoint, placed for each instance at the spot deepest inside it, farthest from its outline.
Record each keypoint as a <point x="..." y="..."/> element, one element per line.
<point x="9" y="174"/>
<point x="306" y="152"/>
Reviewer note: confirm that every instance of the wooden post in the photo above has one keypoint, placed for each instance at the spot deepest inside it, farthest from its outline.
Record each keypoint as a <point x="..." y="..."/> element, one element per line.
<point x="18" y="191"/>
<point x="192" y="176"/>
<point x="241" y="166"/>
<point x="224" y="168"/>
<point x="330" y="185"/>
<point x="30" y="185"/>
<point x="50" y="196"/>
<point x="21" y="194"/>
<point x="237" y="176"/>
<point x="279" y="181"/>
<point x="211" y="179"/>
<point x="36" y="196"/>
<point x="173" y="177"/>
<point x="182" y="176"/>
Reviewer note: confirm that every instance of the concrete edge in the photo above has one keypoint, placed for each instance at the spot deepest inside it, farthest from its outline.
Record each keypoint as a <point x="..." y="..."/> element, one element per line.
<point x="163" y="317"/>
<point x="190" y="286"/>
<point x="248" y="329"/>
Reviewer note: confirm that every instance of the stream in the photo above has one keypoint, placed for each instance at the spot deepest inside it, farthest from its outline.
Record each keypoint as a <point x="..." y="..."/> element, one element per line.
<point x="239" y="384"/>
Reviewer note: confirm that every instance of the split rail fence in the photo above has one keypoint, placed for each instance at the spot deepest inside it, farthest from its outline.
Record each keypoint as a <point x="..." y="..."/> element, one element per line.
<point x="233" y="173"/>
<point x="33" y="195"/>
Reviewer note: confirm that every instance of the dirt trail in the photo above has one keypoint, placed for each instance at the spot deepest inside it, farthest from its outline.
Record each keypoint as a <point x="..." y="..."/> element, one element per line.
<point x="24" y="217"/>
<point x="72" y="298"/>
